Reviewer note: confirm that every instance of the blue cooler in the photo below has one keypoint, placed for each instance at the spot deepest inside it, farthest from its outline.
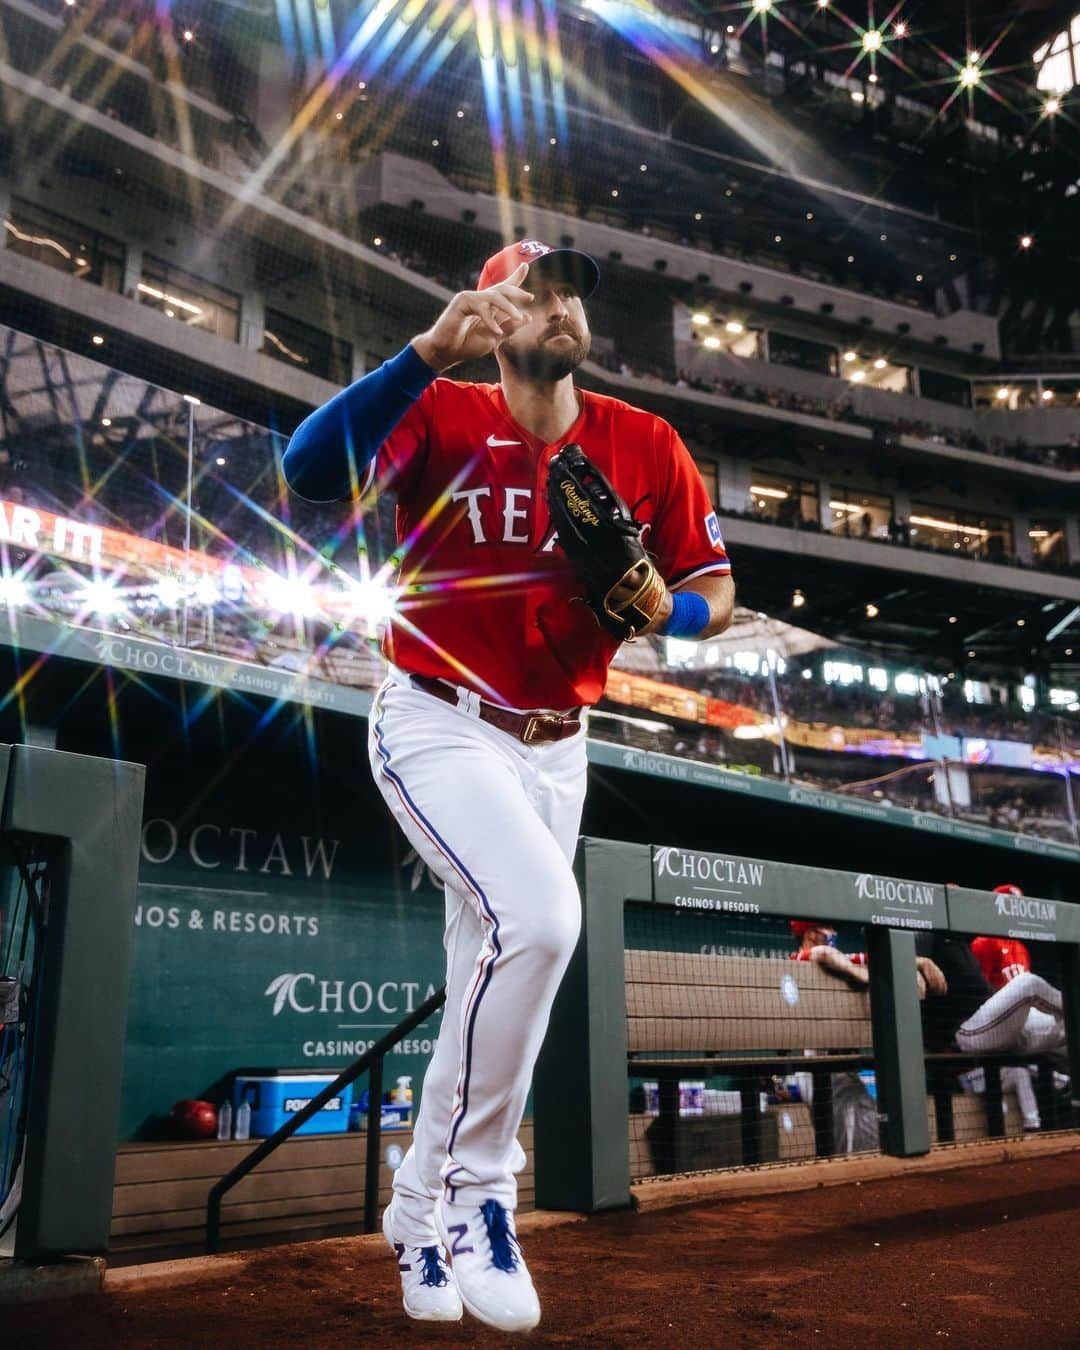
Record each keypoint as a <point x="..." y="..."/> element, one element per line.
<point x="276" y="1097"/>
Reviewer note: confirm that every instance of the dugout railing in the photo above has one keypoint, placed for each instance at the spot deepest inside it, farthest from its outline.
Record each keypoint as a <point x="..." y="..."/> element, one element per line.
<point x="371" y="1063"/>
<point x="593" y="1049"/>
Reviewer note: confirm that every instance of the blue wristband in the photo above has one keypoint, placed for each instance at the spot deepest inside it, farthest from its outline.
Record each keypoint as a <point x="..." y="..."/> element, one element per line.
<point x="689" y="615"/>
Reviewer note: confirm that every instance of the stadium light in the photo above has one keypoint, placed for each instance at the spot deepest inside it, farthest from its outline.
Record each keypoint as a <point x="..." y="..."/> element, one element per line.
<point x="733" y="326"/>
<point x="761" y="6"/>
<point x="872" y="611"/>
<point x="13" y="591"/>
<point x="857" y="376"/>
<point x="97" y="340"/>
<point x="169" y="592"/>
<point x="871" y="40"/>
<point x="1047" y="396"/>
<point x="851" y="356"/>
<point x="1052" y="106"/>
<point x="1002" y="394"/>
<point x="857" y="96"/>
<point x="880" y="363"/>
<point x="900" y="29"/>
<point x="778" y="493"/>
<point x="1026" y="240"/>
<point x="700" y="318"/>
<point x="712" y="342"/>
<point x="290" y="595"/>
<point x="798" y="600"/>
<point x="102" y="597"/>
<point x="969" y="77"/>
<point x="371" y="600"/>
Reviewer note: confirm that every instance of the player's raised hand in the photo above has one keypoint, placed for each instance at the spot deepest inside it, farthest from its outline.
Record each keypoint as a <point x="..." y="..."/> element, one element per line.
<point x="475" y="322"/>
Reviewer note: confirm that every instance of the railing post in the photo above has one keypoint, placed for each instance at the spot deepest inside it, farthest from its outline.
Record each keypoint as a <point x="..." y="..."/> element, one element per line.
<point x="898" y="1045"/>
<point x="374" y="1147"/>
<point x="580" y="1084"/>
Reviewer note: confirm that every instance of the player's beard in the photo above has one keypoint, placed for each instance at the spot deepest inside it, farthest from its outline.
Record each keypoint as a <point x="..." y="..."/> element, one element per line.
<point x="545" y="364"/>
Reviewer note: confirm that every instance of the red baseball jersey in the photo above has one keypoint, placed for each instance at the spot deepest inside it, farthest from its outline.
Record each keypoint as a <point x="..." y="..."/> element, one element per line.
<point x="1002" y="959"/>
<point x="487" y="599"/>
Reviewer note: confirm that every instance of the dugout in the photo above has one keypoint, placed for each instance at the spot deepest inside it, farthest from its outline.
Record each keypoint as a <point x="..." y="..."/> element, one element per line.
<point x="267" y="853"/>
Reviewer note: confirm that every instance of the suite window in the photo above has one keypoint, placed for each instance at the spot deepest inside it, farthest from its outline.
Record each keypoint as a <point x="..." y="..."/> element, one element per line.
<point x="1048" y="542"/>
<point x="64" y="244"/>
<point x="965" y="534"/>
<point x="189" y="299"/>
<point x="943" y="388"/>
<point x="299" y="344"/>
<point x="860" y="515"/>
<point x="785" y="500"/>
<point x="786" y="350"/>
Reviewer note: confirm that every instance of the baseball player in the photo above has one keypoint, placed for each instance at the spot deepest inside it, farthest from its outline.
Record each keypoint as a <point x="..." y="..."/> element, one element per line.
<point x="476" y="736"/>
<point x="1002" y="959"/>
<point x="1023" y="1016"/>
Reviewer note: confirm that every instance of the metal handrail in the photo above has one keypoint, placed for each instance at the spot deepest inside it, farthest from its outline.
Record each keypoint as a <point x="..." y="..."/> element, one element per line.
<point x="372" y="1059"/>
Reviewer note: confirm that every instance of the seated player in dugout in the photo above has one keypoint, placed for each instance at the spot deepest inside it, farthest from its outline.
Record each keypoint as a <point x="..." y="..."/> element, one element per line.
<point x="817" y="943"/>
<point x="500" y="637"/>
<point x="1023" y="1016"/>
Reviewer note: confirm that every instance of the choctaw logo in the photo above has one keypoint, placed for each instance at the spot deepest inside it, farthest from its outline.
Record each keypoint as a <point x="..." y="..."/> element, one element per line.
<point x="577" y="504"/>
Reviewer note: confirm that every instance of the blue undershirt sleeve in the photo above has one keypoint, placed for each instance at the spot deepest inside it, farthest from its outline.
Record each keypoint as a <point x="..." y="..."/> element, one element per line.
<point x="332" y="448"/>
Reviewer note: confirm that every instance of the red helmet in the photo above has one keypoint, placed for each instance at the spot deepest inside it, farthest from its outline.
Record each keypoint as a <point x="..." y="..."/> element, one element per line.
<point x="194" y="1119"/>
<point x="800" y="927"/>
<point x="1008" y="888"/>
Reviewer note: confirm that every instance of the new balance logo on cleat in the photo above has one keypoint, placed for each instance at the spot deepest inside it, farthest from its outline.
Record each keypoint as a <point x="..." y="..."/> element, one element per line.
<point x="428" y="1289"/>
<point x="490" y="1270"/>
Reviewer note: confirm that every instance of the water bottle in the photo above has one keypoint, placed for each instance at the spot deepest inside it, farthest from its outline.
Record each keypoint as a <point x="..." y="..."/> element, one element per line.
<point x="224" y="1121"/>
<point x="243" y="1120"/>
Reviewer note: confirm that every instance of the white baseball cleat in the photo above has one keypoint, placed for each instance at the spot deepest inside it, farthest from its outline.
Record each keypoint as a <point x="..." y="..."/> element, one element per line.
<point x="428" y="1288"/>
<point x="492" y="1277"/>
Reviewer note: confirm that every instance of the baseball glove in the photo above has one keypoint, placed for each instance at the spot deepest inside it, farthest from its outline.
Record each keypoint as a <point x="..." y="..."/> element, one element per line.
<point x="602" y="540"/>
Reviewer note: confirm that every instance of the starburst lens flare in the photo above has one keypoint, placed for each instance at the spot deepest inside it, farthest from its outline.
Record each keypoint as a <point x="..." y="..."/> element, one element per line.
<point x="14" y="592"/>
<point x="290" y="595"/>
<point x="761" y="6"/>
<point x="871" y="40"/>
<point x="969" y="77"/>
<point x="372" y="601"/>
<point x="101" y="597"/>
<point x="169" y="592"/>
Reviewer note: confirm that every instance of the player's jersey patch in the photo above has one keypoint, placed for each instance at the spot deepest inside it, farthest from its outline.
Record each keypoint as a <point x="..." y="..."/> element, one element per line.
<point x="712" y="525"/>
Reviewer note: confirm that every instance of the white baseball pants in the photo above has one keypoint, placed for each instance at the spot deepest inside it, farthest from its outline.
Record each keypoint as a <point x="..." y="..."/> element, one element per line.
<point x="1025" y="1015"/>
<point x="497" y="821"/>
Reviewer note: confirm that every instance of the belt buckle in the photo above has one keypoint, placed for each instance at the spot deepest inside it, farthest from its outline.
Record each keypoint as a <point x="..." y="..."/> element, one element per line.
<point x="536" y="722"/>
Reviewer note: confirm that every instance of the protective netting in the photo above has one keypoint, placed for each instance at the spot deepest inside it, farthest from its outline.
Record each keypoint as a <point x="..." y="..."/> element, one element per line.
<point x="996" y="1052"/>
<point x="298" y="187"/>
<point x="24" y="881"/>
<point x="741" y="1050"/>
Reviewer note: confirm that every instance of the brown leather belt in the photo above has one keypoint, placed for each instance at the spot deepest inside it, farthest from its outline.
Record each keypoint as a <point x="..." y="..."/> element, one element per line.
<point x="532" y="728"/>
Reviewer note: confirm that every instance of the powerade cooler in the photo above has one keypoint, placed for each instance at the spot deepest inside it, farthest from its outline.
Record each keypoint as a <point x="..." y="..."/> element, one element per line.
<point x="276" y="1097"/>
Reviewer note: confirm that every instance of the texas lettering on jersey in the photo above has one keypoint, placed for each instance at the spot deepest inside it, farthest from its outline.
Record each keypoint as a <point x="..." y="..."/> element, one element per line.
<point x="1001" y="959"/>
<point x="486" y="598"/>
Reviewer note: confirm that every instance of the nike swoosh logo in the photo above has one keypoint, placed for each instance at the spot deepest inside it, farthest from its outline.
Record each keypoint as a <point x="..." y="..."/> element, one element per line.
<point x="492" y="441"/>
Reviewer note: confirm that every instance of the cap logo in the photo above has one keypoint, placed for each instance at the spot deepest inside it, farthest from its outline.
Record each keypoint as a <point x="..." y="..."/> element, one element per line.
<point x="533" y="247"/>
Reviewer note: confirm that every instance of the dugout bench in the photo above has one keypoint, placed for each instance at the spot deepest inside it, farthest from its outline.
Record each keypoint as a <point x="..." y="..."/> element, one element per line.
<point x="694" y="1015"/>
<point x="814" y="1022"/>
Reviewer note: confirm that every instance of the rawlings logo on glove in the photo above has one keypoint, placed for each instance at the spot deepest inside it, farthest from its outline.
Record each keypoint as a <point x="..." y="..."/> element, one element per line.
<point x="602" y="540"/>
